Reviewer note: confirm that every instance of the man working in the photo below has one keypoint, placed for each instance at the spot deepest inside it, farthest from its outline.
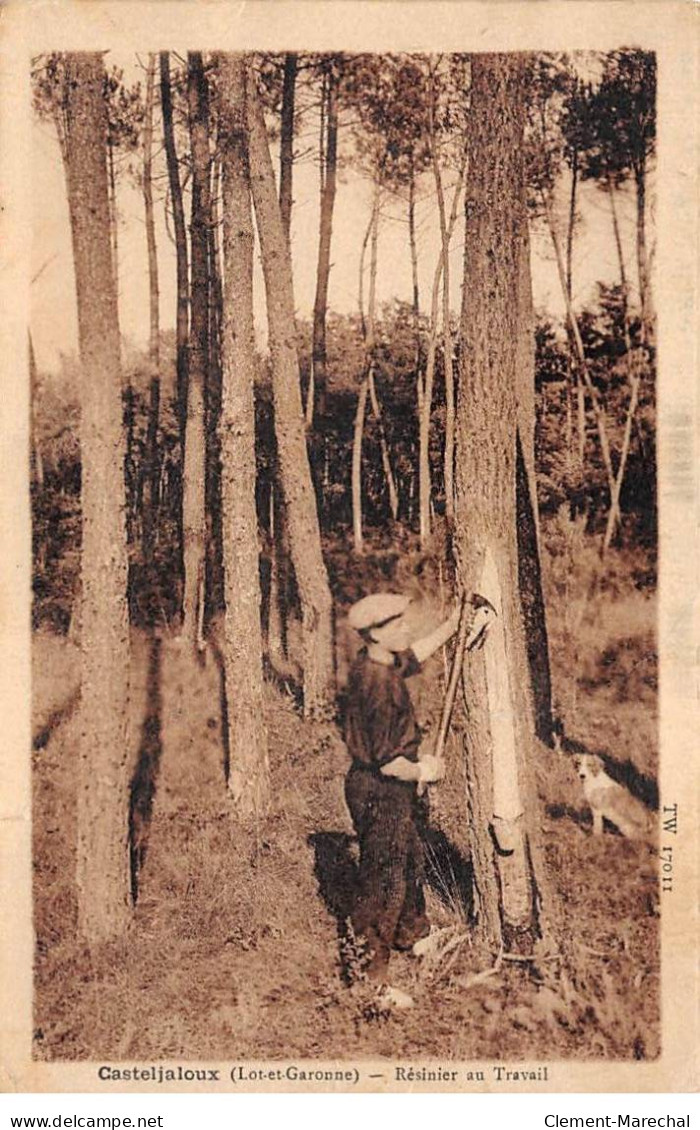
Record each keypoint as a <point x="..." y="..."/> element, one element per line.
<point x="381" y="786"/>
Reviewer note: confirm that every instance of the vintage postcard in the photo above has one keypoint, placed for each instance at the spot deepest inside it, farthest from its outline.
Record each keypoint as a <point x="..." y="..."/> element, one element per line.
<point x="349" y="546"/>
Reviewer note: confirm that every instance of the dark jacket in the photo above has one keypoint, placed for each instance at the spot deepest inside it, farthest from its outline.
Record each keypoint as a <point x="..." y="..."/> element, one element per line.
<point x="380" y="722"/>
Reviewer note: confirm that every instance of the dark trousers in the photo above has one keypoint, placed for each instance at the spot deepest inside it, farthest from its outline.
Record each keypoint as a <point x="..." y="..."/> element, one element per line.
<point x="389" y="906"/>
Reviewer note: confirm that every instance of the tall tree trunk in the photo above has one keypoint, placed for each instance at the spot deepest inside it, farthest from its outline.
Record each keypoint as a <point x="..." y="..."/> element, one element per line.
<point x="574" y="377"/>
<point x="214" y="585"/>
<point x="33" y="392"/>
<point x="598" y="409"/>
<point x="528" y="519"/>
<point x="389" y="477"/>
<point x="113" y="219"/>
<point x="323" y="270"/>
<point x="618" y="248"/>
<point x="356" y="480"/>
<point x="580" y="417"/>
<point x="633" y="376"/>
<point x="131" y="470"/>
<point x="448" y="362"/>
<point x="182" y="318"/>
<point x="413" y="245"/>
<point x="194" y="474"/>
<point x="445" y="237"/>
<point x="622" y="466"/>
<point x="499" y="741"/>
<point x="361" y="282"/>
<point x="443" y="268"/>
<point x="571" y="224"/>
<point x="216" y="303"/>
<point x="300" y="502"/>
<point x="426" y="404"/>
<point x="150" y="515"/>
<point x="367" y="385"/>
<point x="417" y="352"/>
<point x="287" y="141"/>
<point x="361" y="407"/>
<point x="425" y="389"/>
<point x="642" y="258"/>
<point x="247" y="739"/>
<point x="215" y="268"/>
<point x="276" y="621"/>
<point x="103" y="794"/>
<point x="370" y="341"/>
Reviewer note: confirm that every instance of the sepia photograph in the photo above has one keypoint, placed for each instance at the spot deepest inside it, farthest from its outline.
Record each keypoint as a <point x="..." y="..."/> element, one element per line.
<point x="343" y="484"/>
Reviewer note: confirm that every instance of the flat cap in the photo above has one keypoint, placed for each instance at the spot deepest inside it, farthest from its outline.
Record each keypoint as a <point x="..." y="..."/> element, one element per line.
<point x="377" y="609"/>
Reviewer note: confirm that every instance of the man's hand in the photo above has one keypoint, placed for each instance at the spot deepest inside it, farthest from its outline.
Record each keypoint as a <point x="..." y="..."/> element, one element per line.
<point x="431" y="769"/>
<point x="424" y="771"/>
<point x="402" y="769"/>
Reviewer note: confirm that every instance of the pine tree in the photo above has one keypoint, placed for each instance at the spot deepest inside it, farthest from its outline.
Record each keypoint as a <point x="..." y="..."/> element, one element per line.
<point x="103" y="796"/>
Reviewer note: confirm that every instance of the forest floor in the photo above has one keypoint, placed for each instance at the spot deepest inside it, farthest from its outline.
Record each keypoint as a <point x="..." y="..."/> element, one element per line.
<point x="234" y="948"/>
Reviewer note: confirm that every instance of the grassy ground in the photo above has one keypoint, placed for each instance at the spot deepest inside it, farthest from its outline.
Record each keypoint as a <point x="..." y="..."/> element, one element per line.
<point x="233" y="951"/>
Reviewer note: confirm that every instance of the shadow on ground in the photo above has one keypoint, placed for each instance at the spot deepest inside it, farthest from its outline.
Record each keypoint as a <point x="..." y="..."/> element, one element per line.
<point x="447" y="872"/>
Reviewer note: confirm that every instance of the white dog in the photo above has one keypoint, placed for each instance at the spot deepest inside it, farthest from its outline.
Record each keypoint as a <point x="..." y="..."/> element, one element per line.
<point x="612" y="802"/>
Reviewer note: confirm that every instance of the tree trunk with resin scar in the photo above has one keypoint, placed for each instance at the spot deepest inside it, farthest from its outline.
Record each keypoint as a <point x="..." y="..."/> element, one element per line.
<point x="499" y="737"/>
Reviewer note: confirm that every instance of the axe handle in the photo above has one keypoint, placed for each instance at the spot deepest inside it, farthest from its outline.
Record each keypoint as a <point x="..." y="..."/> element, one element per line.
<point x="466" y="620"/>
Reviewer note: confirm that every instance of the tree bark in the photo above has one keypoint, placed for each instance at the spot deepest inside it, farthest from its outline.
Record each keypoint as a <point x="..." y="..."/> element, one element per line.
<point x="389" y="477"/>
<point x="618" y="246"/>
<point x="499" y="744"/>
<point x="414" y="252"/>
<point x="150" y="516"/>
<point x="103" y="794"/>
<point x="247" y="739"/>
<point x="361" y="281"/>
<point x="571" y="225"/>
<point x="287" y="141"/>
<point x="633" y="376"/>
<point x="323" y="270"/>
<point x="528" y="520"/>
<point x="33" y="392"/>
<point x="194" y="472"/>
<point x="598" y="409"/>
<point x="368" y="329"/>
<point x="356" y="483"/>
<point x="574" y="375"/>
<point x="300" y="502"/>
<point x="614" y="511"/>
<point x="213" y="394"/>
<point x="182" y="318"/>
<point x="425" y="390"/>
<point x="446" y="230"/>
<point x="425" y="413"/>
<point x="642" y="259"/>
<point x="448" y="362"/>
<point x="113" y="219"/>
<point x="276" y="622"/>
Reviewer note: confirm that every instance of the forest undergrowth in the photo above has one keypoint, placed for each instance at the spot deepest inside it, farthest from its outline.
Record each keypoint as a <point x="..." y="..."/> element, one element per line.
<point x="234" y="949"/>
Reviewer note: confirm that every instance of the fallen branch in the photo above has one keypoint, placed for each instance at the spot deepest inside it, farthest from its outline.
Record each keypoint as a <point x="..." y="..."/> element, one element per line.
<point x="478" y="978"/>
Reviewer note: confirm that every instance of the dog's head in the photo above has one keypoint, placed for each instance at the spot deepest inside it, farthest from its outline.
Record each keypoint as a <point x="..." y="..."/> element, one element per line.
<point x="587" y="765"/>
